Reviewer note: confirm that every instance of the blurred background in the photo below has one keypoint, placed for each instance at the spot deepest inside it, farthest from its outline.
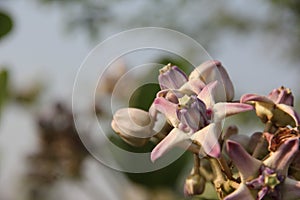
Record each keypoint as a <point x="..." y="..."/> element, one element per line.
<point x="44" y="42"/>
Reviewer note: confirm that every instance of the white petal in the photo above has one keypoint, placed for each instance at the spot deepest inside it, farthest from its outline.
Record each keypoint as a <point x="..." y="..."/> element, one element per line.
<point x="175" y="137"/>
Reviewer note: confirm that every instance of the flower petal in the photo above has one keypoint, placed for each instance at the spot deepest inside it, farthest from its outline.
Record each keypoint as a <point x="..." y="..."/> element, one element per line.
<point x="205" y="71"/>
<point x="222" y="110"/>
<point x="281" y="159"/>
<point x="290" y="189"/>
<point x="228" y="86"/>
<point x="192" y="86"/>
<point x="251" y="98"/>
<point x="246" y="164"/>
<point x="168" y="109"/>
<point x="282" y="95"/>
<point x="213" y="70"/>
<point x="242" y="192"/>
<point x="291" y="112"/>
<point x="175" y="137"/>
<point x="208" y="138"/>
<point x="207" y="94"/>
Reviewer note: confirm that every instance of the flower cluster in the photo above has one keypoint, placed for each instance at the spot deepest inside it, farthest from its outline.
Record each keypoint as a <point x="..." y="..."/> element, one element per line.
<point x="194" y="107"/>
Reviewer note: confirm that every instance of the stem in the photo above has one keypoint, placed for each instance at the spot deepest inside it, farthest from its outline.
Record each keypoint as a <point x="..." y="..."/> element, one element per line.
<point x="225" y="168"/>
<point x="219" y="179"/>
<point x="262" y="141"/>
<point x="268" y="126"/>
<point x="196" y="164"/>
<point x="160" y="136"/>
<point x="217" y="170"/>
<point x="206" y="174"/>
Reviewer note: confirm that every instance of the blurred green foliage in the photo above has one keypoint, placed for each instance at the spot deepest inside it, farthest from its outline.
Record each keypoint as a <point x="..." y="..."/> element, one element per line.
<point x="163" y="177"/>
<point x="4" y="75"/>
<point x="6" y="24"/>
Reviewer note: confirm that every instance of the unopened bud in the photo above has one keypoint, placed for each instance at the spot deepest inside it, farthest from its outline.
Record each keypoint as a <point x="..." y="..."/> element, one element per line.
<point x="194" y="185"/>
<point x="171" y="77"/>
<point x="134" y="126"/>
<point x="282" y="95"/>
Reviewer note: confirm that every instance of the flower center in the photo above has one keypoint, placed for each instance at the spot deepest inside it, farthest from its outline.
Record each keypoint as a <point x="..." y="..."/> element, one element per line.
<point x="191" y="113"/>
<point x="272" y="180"/>
<point x="185" y="101"/>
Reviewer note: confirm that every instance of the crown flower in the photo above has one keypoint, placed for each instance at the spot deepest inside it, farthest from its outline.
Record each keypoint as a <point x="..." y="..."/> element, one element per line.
<point x="192" y="108"/>
<point x="276" y="108"/>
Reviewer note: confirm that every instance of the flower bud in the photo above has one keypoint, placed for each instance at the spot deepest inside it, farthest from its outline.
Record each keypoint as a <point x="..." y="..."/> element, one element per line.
<point x="282" y="95"/>
<point x="267" y="110"/>
<point x="171" y="77"/>
<point x="214" y="71"/>
<point x="194" y="185"/>
<point x="134" y="126"/>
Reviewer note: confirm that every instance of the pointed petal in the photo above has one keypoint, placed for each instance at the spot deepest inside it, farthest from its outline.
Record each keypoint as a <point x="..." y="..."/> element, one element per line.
<point x="281" y="159"/>
<point x="290" y="189"/>
<point x="282" y="95"/>
<point x="213" y="70"/>
<point x="241" y="193"/>
<point x="248" y="98"/>
<point x="168" y="109"/>
<point x="208" y="138"/>
<point x="175" y="137"/>
<point x="205" y="70"/>
<point x="222" y="110"/>
<point x="207" y="94"/>
<point x="192" y="86"/>
<point x="246" y="164"/>
<point x="291" y="112"/>
<point x="228" y="86"/>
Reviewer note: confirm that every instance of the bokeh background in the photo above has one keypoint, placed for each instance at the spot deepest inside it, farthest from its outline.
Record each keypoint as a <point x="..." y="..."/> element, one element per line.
<point x="44" y="42"/>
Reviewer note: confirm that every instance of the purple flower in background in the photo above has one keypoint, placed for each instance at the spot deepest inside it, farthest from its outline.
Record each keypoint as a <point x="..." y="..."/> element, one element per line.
<point x="271" y="174"/>
<point x="282" y="95"/>
<point x="276" y="107"/>
<point x="266" y="183"/>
